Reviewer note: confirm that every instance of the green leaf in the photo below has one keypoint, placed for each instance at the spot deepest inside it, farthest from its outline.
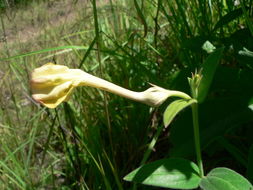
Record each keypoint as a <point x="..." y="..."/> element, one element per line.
<point x="224" y="179"/>
<point x="45" y="51"/>
<point x="250" y="105"/>
<point x="250" y="164"/>
<point x="209" y="132"/>
<point x="208" y="47"/>
<point x="174" y="108"/>
<point x="246" y="52"/>
<point x="233" y="150"/>
<point x="232" y="15"/>
<point x="208" y="71"/>
<point x="142" y="17"/>
<point x="231" y="89"/>
<point x="174" y="173"/>
<point x="195" y="43"/>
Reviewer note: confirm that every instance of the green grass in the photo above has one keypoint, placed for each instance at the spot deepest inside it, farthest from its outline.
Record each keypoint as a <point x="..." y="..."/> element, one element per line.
<point x="96" y="138"/>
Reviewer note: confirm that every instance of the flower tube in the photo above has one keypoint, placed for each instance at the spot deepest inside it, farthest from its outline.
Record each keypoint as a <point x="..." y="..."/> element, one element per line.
<point x="52" y="84"/>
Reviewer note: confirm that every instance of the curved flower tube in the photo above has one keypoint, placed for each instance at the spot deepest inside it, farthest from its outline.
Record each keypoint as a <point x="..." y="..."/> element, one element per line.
<point x="52" y="84"/>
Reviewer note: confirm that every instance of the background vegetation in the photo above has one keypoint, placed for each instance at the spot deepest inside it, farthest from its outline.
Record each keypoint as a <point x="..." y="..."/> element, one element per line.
<point x="96" y="138"/>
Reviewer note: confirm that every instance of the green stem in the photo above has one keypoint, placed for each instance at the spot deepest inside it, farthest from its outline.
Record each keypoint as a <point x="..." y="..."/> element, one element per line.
<point x="197" y="138"/>
<point x="151" y="145"/>
<point x="98" y="42"/>
<point x="247" y="18"/>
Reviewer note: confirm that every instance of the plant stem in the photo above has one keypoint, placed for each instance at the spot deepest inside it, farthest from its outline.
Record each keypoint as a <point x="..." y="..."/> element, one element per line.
<point x="197" y="138"/>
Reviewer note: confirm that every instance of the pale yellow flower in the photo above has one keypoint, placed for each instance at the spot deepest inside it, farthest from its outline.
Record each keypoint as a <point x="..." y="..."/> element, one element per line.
<point x="52" y="84"/>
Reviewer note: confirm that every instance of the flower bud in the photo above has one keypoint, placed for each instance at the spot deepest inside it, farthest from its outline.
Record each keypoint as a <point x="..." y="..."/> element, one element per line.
<point x="52" y="84"/>
<point x="156" y="95"/>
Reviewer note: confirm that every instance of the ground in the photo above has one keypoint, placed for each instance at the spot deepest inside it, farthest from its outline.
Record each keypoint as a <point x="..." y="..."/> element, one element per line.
<point x="27" y="23"/>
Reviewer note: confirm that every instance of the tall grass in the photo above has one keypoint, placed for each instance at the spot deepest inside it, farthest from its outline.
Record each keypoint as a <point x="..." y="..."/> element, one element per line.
<point x="96" y="138"/>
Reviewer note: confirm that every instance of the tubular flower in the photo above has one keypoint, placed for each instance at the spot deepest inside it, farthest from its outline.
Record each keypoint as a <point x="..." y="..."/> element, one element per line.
<point x="52" y="84"/>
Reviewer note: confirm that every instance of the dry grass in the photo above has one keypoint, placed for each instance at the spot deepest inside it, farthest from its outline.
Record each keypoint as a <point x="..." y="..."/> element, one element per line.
<point x="28" y="23"/>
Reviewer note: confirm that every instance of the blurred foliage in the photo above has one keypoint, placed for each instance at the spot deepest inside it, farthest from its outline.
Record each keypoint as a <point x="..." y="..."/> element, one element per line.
<point x="10" y="3"/>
